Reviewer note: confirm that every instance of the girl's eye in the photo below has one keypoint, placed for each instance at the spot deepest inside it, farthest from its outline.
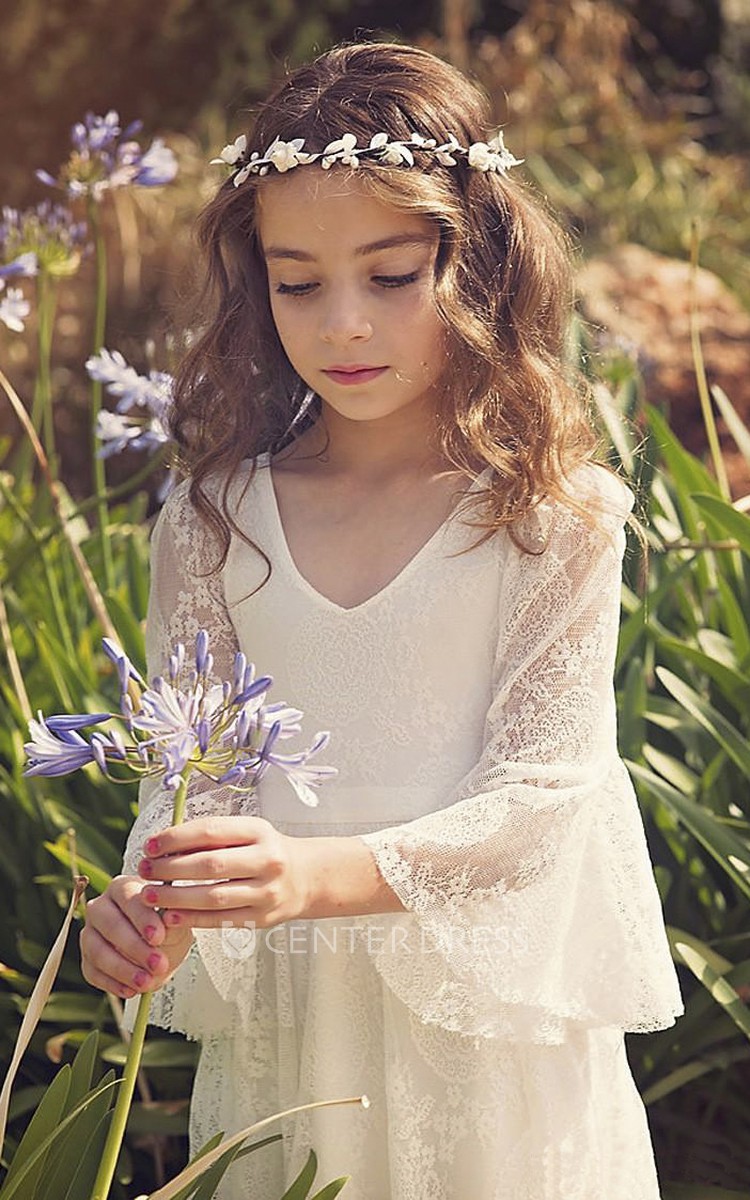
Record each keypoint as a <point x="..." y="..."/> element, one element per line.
<point x="396" y="281"/>
<point x="295" y="289"/>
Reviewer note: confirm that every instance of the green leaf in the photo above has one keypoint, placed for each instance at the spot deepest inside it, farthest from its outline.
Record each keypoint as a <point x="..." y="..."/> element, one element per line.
<point x="733" y="421"/>
<point x="695" y="957"/>
<point x="28" y="1167"/>
<point x="736" y="746"/>
<point x="734" y="686"/>
<point x="735" y="619"/>
<point x="674" y="770"/>
<point x="65" y="1157"/>
<point x="43" y="1122"/>
<point x="730" y="851"/>
<point x="632" y="704"/>
<point x="736" y="523"/>
<point x="162" y="1053"/>
<point x="300" y="1189"/>
<point x="82" y="1069"/>
<point x="98" y="879"/>
<point x="332" y="1189"/>
<point x="83" y="1181"/>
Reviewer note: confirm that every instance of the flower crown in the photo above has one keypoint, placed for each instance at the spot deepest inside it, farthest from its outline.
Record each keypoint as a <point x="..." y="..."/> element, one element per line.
<point x="481" y="156"/>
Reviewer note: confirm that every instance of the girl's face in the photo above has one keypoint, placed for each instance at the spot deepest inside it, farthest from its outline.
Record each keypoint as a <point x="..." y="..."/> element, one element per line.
<point x="351" y="289"/>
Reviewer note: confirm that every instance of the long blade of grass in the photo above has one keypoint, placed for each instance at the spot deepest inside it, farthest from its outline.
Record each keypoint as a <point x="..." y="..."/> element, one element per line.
<point x="729" y="850"/>
<point x="729" y="738"/>
<point x="37" y="1001"/>
<point x="195" y="1169"/>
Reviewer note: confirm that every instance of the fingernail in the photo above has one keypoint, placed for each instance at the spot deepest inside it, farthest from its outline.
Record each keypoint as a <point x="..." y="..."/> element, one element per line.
<point x="153" y="960"/>
<point x="150" y="896"/>
<point x="150" y="932"/>
<point x="152" y="845"/>
<point x="145" y="867"/>
<point x="173" y="918"/>
<point x="140" y="978"/>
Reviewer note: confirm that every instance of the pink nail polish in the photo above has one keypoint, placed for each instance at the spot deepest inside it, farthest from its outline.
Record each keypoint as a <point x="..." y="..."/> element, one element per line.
<point x="152" y="845"/>
<point x="140" y="978"/>
<point x="153" y="961"/>
<point x="150" y="933"/>
<point x="150" y="896"/>
<point x="145" y="867"/>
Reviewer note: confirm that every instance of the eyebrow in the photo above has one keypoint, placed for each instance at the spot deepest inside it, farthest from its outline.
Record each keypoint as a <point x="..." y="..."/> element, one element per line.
<point x="398" y="239"/>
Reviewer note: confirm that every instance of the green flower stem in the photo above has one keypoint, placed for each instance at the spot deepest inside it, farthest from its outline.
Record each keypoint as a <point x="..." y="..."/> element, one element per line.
<point x="116" y="1132"/>
<point x="42" y="414"/>
<point x="700" y="373"/>
<point x="41" y="409"/>
<point x="100" y="483"/>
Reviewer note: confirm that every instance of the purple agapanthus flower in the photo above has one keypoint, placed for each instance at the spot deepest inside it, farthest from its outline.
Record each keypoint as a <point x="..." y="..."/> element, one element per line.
<point x="105" y="156"/>
<point x="13" y="308"/>
<point x="22" y="267"/>
<point x="185" y="721"/>
<point x="43" y="238"/>
<point x="55" y="749"/>
<point x="117" y="432"/>
<point x="152" y="391"/>
<point x="145" y="398"/>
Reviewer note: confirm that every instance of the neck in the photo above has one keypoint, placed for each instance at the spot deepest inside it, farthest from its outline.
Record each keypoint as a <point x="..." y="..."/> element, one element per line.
<point x="402" y="444"/>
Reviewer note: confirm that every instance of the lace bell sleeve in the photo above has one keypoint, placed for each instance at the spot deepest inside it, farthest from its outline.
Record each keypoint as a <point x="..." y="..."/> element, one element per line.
<point x="531" y="901"/>
<point x="182" y="600"/>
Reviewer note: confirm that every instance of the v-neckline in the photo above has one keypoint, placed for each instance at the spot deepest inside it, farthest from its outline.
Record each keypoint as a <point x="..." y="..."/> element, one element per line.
<point x="305" y="584"/>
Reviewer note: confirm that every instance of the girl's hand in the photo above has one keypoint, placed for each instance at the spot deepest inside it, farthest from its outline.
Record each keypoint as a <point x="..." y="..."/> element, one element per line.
<point x="125" y="946"/>
<point x="254" y="874"/>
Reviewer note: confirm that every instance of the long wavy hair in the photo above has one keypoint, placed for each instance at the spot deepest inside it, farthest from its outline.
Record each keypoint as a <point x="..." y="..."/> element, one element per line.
<point x="503" y="287"/>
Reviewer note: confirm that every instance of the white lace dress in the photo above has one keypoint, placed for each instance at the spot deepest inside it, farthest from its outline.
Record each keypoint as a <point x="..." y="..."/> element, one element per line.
<point x="473" y="723"/>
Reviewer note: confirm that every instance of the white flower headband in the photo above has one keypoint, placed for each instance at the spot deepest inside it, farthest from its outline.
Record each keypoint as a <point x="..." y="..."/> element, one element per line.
<point x="481" y="156"/>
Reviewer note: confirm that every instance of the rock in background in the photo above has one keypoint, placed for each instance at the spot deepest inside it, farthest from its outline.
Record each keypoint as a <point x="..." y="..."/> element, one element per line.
<point x="643" y="298"/>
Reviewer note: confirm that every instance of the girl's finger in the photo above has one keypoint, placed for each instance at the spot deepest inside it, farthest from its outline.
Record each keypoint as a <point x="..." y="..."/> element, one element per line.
<point x="106" y="983"/>
<point x="243" y="918"/>
<point x="115" y="928"/>
<point x="226" y="862"/>
<point x="204" y="833"/>
<point x="213" y="896"/>
<point x="126" y="893"/>
<point x="105" y="958"/>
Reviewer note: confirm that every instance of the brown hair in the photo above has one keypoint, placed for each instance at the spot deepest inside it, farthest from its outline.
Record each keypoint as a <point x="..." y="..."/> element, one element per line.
<point x="503" y="287"/>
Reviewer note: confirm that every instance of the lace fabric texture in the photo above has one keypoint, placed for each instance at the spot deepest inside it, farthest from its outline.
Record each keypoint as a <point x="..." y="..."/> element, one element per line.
<point x="473" y="722"/>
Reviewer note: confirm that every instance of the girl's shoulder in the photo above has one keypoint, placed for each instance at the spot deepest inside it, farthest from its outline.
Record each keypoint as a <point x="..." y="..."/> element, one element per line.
<point x="606" y="500"/>
<point x="178" y="508"/>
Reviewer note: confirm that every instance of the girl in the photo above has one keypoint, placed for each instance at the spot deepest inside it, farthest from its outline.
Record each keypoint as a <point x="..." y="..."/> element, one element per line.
<point x="467" y="924"/>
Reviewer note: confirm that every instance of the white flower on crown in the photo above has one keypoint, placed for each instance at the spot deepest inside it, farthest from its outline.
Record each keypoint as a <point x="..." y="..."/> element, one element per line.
<point x="343" y="150"/>
<point x="394" y="153"/>
<point x="285" y="155"/>
<point x="444" y="153"/>
<point x="234" y="151"/>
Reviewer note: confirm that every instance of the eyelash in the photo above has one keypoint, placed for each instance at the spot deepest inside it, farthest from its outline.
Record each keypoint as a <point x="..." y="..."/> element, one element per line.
<point x="384" y="281"/>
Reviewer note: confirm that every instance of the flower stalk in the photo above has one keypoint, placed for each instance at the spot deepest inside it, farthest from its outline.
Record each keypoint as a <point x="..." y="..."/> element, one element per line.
<point x="100" y="319"/>
<point x="41" y="413"/>
<point x="118" y="1124"/>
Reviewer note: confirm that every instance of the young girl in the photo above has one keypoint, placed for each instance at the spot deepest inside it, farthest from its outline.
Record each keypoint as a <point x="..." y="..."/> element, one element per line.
<point x="467" y="924"/>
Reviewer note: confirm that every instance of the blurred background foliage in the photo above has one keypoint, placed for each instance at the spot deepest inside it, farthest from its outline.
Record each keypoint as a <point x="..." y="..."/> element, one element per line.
<point x="634" y="121"/>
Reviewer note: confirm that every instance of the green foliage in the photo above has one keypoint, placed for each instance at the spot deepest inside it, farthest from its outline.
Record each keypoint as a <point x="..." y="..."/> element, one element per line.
<point x="683" y="683"/>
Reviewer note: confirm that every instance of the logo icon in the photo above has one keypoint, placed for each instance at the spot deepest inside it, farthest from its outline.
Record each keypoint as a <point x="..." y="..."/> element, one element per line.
<point x="238" y="941"/>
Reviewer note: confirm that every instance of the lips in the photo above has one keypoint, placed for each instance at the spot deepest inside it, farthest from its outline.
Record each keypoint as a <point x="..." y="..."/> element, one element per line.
<point x="354" y="373"/>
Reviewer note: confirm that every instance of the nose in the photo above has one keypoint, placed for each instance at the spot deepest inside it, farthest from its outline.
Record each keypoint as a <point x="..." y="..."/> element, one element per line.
<point x="345" y="320"/>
